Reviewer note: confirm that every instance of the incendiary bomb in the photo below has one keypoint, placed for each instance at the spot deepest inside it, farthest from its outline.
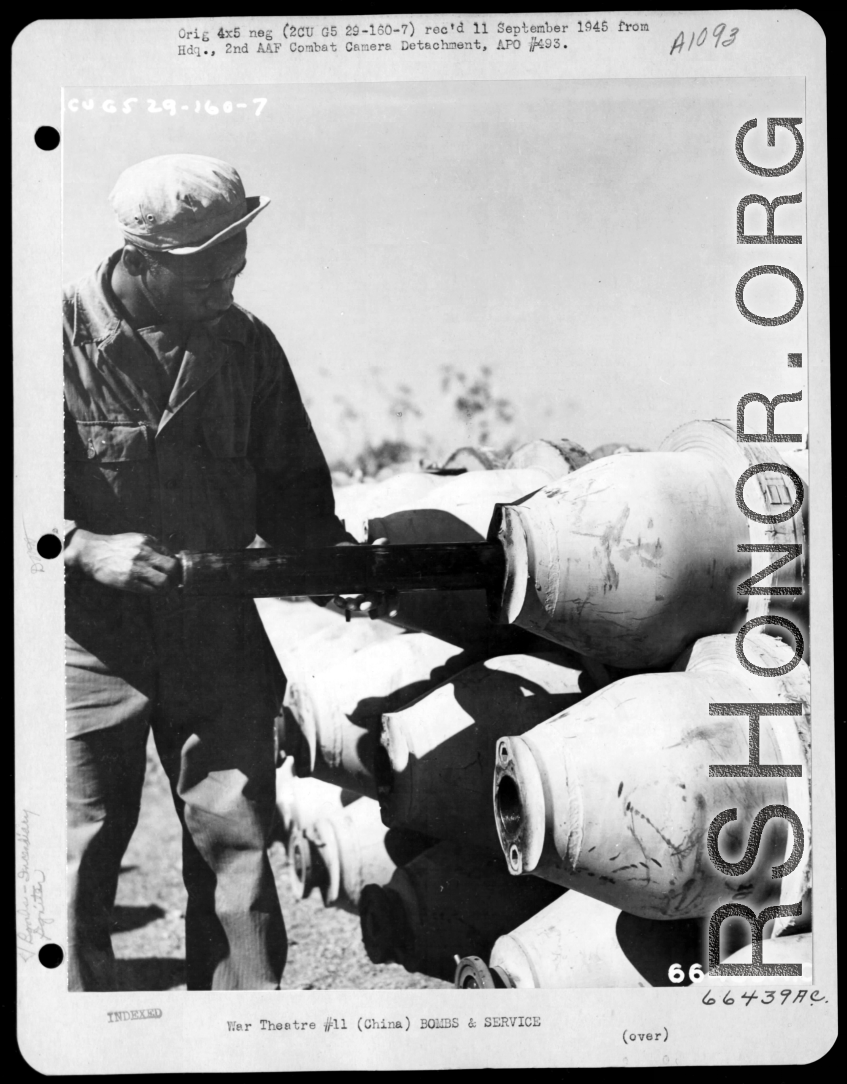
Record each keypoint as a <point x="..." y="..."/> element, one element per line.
<point x="631" y="557"/>
<point x="290" y="622"/>
<point x="346" y="849"/>
<point x="436" y="758"/>
<point x="465" y="504"/>
<point x="308" y="663"/>
<point x="300" y="802"/>
<point x="334" y="712"/>
<point x="577" y="941"/>
<point x="355" y="504"/>
<point x="472" y="458"/>
<point x="615" y="796"/>
<point x="557" y="457"/>
<point x="333" y="643"/>
<point x="448" y="900"/>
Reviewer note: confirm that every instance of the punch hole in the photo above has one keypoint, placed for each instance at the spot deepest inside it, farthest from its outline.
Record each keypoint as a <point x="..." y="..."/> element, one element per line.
<point x="48" y="546"/>
<point x="50" y="955"/>
<point x="47" y="138"/>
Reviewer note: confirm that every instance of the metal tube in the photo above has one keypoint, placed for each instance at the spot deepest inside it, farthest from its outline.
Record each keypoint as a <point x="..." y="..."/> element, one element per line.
<point x="263" y="573"/>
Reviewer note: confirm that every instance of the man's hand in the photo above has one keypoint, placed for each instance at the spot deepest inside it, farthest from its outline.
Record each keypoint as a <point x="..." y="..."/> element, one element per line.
<point x="375" y="603"/>
<point x="128" y="562"/>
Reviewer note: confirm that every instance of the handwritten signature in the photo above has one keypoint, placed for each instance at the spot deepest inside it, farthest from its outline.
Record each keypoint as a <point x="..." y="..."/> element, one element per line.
<point x="32" y="552"/>
<point x="32" y="919"/>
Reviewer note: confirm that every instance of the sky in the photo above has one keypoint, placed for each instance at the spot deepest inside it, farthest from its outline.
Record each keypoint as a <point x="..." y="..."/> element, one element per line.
<point x="576" y="237"/>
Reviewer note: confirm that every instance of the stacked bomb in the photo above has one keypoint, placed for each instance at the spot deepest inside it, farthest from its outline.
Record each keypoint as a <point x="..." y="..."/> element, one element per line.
<point x="585" y="701"/>
<point x="343" y="678"/>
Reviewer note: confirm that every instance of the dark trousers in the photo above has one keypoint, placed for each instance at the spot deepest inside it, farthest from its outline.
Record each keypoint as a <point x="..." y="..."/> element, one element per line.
<point x="213" y="724"/>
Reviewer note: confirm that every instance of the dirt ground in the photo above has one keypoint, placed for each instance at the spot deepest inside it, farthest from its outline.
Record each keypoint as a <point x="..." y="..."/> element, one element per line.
<point x="325" y="945"/>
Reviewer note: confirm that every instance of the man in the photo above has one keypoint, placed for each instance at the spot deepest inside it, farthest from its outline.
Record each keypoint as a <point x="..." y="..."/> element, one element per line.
<point x="184" y="430"/>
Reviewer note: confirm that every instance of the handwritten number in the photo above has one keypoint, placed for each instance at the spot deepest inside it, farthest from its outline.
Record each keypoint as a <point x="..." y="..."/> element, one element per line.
<point x="702" y="38"/>
<point x="752" y="995"/>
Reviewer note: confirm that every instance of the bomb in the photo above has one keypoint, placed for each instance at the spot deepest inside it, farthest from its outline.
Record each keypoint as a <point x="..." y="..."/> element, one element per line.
<point x="631" y="557"/>
<point x="458" y="511"/>
<point x="779" y="492"/>
<point x="335" y="713"/>
<point x="614" y="448"/>
<point x="577" y="941"/>
<point x="300" y="802"/>
<point x="473" y="458"/>
<point x="289" y="622"/>
<point x="436" y="759"/>
<point x="349" y="848"/>
<point x="308" y="662"/>
<point x="447" y="900"/>
<point x="356" y="504"/>
<point x="557" y="457"/>
<point x="327" y="646"/>
<point x="614" y="797"/>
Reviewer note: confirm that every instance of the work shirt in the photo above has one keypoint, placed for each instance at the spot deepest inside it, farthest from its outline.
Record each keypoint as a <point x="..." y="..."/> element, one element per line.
<point x="230" y="454"/>
<point x="166" y="344"/>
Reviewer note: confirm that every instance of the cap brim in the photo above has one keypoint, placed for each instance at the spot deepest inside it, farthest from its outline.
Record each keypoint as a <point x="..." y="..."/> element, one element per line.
<point x="255" y="205"/>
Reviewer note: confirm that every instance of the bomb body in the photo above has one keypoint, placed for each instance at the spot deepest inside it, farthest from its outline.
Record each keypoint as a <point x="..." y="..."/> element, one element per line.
<point x="577" y="941"/>
<point x="448" y="900"/>
<point x="336" y="711"/>
<point x="350" y="847"/>
<point x="614" y="796"/>
<point x="632" y="557"/>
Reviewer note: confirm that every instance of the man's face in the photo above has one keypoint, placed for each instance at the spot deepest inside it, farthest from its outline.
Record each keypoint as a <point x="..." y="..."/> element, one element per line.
<point x="197" y="288"/>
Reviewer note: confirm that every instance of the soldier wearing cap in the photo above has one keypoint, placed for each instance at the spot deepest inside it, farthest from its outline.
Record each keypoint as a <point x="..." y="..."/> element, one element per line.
<point x="184" y="429"/>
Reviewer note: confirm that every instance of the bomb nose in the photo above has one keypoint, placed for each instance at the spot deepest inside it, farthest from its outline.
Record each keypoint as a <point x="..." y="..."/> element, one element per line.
<point x="519" y="805"/>
<point x="509" y="807"/>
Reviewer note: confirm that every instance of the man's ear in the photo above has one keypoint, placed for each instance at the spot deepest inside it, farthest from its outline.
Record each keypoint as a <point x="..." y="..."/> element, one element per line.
<point x="133" y="260"/>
